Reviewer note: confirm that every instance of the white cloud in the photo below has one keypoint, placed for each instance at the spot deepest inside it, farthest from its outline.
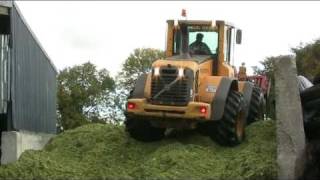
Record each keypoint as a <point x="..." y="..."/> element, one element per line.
<point x="107" y="32"/>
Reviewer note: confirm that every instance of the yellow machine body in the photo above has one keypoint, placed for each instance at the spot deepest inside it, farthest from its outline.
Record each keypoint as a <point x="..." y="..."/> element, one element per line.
<point x="208" y="72"/>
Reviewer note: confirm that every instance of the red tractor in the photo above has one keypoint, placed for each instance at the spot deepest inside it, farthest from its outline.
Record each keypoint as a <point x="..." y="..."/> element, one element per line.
<point x="260" y="81"/>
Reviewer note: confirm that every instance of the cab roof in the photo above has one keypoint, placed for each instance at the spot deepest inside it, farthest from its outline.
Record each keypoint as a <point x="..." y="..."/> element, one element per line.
<point x="201" y="22"/>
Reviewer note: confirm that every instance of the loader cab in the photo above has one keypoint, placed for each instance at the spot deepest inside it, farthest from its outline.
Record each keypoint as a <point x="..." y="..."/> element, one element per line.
<point x="220" y="37"/>
<point x="205" y="37"/>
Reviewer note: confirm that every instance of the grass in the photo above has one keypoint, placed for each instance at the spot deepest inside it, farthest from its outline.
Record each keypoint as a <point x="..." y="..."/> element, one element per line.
<point x="98" y="151"/>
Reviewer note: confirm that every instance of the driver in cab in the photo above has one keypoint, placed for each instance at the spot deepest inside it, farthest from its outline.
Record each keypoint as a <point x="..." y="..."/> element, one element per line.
<point x="199" y="47"/>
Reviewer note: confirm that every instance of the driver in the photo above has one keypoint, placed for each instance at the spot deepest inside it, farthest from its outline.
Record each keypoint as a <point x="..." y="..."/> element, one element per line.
<point x="198" y="47"/>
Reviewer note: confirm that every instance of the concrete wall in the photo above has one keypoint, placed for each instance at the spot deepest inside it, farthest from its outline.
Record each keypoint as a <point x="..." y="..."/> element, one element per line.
<point x="6" y="3"/>
<point x="290" y="131"/>
<point x="14" y="143"/>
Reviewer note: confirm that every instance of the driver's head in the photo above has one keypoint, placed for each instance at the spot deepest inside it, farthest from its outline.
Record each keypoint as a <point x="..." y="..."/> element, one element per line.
<point x="199" y="37"/>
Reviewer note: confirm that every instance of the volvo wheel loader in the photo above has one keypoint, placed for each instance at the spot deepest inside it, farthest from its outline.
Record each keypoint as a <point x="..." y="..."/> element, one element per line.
<point x="193" y="87"/>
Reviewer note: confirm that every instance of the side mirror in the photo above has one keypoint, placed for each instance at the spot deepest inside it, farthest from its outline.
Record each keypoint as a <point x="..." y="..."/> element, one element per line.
<point x="239" y="36"/>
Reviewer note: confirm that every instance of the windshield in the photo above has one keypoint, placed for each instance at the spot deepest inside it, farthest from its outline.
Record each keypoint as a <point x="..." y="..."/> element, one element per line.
<point x="208" y="44"/>
<point x="202" y="41"/>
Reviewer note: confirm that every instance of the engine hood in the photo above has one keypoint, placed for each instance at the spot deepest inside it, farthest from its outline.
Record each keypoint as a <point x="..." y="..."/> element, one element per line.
<point x="183" y="63"/>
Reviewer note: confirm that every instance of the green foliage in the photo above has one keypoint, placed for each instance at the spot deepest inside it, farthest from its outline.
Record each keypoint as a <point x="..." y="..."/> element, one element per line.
<point x="97" y="151"/>
<point x="268" y="70"/>
<point x="83" y="93"/>
<point x="138" y="62"/>
<point x="308" y="59"/>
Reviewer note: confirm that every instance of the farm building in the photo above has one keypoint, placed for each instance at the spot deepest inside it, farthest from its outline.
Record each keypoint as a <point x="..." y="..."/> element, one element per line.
<point x="27" y="77"/>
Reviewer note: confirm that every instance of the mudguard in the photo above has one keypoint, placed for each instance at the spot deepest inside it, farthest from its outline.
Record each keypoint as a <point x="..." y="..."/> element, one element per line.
<point x="138" y="91"/>
<point x="221" y="95"/>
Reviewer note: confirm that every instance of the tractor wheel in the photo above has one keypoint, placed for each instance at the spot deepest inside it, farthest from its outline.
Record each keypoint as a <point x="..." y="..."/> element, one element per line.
<point x="142" y="130"/>
<point x="257" y="106"/>
<point x="230" y="130"/>
<point x="203" y="128"/>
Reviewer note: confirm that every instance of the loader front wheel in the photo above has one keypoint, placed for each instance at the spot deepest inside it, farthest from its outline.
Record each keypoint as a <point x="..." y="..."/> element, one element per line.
<point x="142" y="130"/>
<point x="230" y="130"/>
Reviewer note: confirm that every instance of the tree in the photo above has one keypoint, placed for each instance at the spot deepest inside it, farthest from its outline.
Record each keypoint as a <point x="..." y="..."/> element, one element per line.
<point x="138" y="63"/>
<point x="268" y="70"/>
<point x="83" y="95"/>
<point x="268" y="67"/>
<point x="308" y="59"/>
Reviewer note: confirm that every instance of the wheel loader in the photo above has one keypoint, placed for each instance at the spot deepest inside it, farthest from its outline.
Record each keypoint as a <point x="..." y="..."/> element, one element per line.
<point x="194" y="88"/>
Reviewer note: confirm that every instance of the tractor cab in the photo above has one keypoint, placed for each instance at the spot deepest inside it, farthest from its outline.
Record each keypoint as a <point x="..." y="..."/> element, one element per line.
<point x="197" y="39"/>
<point x="201" y="41"/>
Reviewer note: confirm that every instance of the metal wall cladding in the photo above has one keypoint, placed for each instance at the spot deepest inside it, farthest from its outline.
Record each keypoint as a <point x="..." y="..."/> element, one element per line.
<point x="4" y="75"/>
<point x="34" y="86"/>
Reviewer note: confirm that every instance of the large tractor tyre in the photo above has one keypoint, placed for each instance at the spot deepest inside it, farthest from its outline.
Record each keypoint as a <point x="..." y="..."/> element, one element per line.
<point x="142" y="130"/>
<point x="310" y="99"/>
<point x="310" y="94"/>
<point x="230" y="130"/>
<point x="203" y="128"/>
<point x="257" y="106"/>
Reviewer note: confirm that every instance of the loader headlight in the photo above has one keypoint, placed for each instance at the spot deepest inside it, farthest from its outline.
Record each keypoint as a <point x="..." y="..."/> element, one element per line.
<point x="156" y="71"/>
<point x="181" y="72"/>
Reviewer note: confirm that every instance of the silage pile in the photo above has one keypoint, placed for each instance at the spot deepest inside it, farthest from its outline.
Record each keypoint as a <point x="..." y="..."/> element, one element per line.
<point x="100" y="151"/>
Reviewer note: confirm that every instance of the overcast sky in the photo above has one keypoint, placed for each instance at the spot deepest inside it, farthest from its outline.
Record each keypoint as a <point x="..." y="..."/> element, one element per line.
<point x="105" y="32"/>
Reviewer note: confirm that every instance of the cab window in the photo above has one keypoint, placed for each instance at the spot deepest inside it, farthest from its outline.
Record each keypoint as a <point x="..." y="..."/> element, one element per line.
<point x="210" y="38"/>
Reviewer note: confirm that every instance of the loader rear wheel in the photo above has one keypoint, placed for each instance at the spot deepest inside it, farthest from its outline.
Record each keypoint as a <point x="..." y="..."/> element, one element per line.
<point x="142" y="130"/>
<point x="230" y="130"/>
<point x="257" y="106"/>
